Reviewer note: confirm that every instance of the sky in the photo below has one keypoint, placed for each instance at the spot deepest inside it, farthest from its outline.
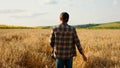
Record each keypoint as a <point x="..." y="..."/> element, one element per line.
<point x="46" y="12"/>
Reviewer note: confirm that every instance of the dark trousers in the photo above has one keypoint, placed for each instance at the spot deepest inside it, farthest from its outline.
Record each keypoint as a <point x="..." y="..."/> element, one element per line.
<point x="64" y="63"/>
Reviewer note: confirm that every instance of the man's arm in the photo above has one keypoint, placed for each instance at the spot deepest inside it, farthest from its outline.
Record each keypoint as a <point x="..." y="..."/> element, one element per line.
<point x="52" y="39"/>
<point x="77" y="42"/>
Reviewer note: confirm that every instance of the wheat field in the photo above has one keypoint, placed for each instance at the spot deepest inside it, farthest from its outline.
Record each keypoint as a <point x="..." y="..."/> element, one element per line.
<point x="29" y="48"/>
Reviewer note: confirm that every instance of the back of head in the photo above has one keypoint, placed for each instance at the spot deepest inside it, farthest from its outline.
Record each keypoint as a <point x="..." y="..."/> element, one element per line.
<point x="64" y="17"/>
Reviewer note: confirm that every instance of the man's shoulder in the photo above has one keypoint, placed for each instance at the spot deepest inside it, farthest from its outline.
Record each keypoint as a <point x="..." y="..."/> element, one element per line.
<point x="55" y="27"/>
<point x="73" y="27"/>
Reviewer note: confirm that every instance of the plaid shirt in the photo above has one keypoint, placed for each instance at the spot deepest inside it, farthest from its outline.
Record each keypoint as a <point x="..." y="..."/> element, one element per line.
<point x="63" y="39"/>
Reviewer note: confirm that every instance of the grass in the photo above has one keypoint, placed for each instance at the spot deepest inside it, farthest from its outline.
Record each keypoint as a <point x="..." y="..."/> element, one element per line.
<point x="29" y="48"/>
<point x="23" y="27"/>
<point x="110" y="25"/>
<point x="15" y="27"/>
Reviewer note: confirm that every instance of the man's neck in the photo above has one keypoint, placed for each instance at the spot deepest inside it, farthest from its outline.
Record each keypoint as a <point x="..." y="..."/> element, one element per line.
<point x="63" y="22"/>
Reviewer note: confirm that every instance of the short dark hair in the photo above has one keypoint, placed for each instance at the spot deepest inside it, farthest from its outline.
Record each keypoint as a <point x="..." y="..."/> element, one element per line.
<point x="64" y="16"/>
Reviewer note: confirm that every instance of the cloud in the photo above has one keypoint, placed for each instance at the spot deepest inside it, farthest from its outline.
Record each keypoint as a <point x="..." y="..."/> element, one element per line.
<point x="7" y="11"/>
<point x="51" y="2"/>
<point x="115" y="2"/>
<point x="47" y="1"/>
<point x="29" y="15"/>
<point x="91" y="1"/>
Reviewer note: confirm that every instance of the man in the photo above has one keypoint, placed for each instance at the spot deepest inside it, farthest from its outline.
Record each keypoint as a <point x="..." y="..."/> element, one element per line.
<point x="63" y="40"/>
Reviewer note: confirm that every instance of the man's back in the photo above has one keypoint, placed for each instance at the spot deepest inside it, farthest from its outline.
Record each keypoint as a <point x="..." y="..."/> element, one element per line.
<point x="64" y="41"/>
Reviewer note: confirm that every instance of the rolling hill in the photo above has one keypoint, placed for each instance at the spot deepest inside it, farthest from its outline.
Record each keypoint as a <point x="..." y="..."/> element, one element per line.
<point x="111" y="25"/>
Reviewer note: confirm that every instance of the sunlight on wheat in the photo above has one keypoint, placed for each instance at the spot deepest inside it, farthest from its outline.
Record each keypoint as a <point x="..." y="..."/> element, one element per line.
<point x="29" y="48"/>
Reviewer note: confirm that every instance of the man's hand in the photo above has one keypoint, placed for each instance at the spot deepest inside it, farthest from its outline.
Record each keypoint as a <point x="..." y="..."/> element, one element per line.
<point x="84" y="58"/>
